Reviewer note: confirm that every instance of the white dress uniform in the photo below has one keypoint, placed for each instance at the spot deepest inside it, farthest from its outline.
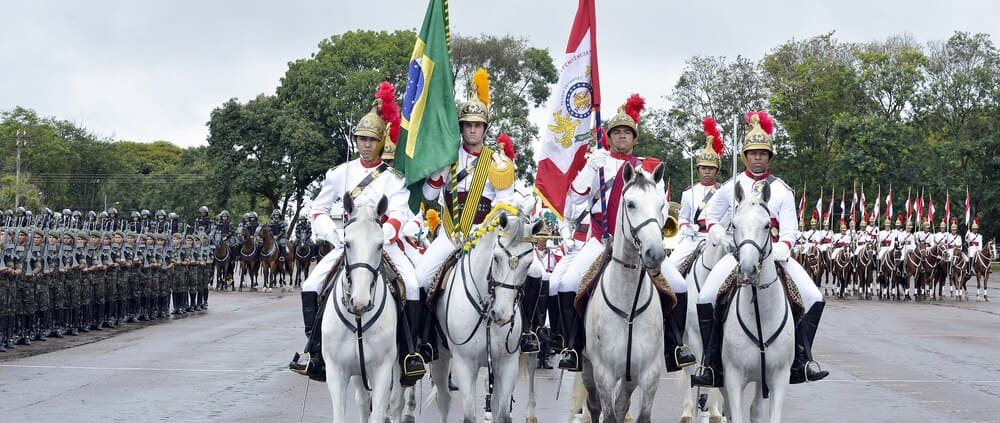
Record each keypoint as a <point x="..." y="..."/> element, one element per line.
<point x="783" y="217"/>
<point x="908" y="241"/>
<point x="975" y="242"/>
<point x="840" y="241"/>
<point x="340" y="181"/>
<point x="443" y="246"/>
<point x="886" y="242"/>
<point x="584" y="187"/>
<point x="925" y="239"/>
<point x="862" y="239"/>
<point x="691" y="220"/>
<point x="952" y="241"/>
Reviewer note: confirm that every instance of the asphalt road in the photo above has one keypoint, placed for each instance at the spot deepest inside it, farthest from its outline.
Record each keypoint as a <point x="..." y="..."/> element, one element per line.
<point x="889" y="362"/>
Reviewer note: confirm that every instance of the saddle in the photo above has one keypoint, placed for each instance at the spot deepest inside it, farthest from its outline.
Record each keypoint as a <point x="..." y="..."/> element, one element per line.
<point x="440" y="280"/>
<point x="667" y="297"/>
<point x="727" y="291"/>
<point x="688" y="262"/>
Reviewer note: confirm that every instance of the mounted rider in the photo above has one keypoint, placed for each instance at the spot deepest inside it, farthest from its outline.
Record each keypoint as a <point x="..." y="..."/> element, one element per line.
<point x="974" y="239"/>
<point x="585" y="190"/>
<point x="467" y="190"/>
<point x="694" y="199"/>
<point x="366" y="179"/>
<point x="303" y="233"/>
<point x="277" y="227"/>
<point x="757" y="154"/>
<point x="203" y="223"/>
<point x="223" y="229"/>
<point x="252" y="226"/>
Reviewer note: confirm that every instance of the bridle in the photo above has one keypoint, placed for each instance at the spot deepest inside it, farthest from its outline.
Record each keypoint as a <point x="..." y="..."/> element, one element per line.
<point x="633" y="230"/>
<point x="761" y="254"/>
<point x="346" y="299"/>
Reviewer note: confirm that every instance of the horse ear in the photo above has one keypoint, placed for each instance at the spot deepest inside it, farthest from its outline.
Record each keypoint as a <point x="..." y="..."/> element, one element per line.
<point x="628" y="173"/>
<point x="738" y="192"/>
<point x="765" y="192"/>
<point x="658" y="173"/>
<point x="348" y="204"/>
<point x="383" y="206"/>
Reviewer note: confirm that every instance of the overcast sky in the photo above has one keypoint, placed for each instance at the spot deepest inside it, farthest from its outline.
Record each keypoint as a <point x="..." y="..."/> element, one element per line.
<point x="145" y="70"/>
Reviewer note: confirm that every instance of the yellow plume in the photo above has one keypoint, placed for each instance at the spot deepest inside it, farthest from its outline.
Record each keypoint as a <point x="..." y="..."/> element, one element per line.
<point x="481" y="79"/>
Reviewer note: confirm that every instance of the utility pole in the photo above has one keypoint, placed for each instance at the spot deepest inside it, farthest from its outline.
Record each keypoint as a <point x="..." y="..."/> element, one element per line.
<point x="21" y="138"/>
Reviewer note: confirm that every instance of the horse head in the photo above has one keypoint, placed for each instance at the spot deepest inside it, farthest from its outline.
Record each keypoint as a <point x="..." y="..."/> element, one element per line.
<point x="752" y="232"/>
<point x="640" y="214"/>
<point x="511" y="257"/>
<point x="362" y="253"/>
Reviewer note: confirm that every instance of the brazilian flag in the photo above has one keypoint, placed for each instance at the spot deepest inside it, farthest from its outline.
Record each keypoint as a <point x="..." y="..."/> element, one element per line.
<point x="430" y="136"/>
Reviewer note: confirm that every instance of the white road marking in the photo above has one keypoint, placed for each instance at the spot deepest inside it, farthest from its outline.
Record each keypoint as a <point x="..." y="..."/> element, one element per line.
<point x="145" y="369"/>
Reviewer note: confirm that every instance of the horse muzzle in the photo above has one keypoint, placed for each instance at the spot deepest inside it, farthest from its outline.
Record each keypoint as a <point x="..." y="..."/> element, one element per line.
<point x="652" y="257"/>
<point x="500" y="318"/>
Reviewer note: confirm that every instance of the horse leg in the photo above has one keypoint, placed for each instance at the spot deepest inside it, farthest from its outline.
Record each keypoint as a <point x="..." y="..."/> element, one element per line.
<point x="337" y="385"/>
<point x="735" y="384"/>
<point x="531" y="362"/>
<point x="409" y="406"/>
<point x="503" y="388"/>
<point x="594" y="406"/>
<point x="605" y="384"/>
<point x="758" y="406"/>
<point x="464" y="372"/>
<point x="439" y="378"/>
<point x="381" y="394"/>
<point x="649" y="382"/>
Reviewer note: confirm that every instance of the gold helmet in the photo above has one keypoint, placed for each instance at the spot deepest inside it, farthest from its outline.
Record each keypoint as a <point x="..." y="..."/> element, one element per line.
<point x="927" y="225"/>
<point x="477" y="108"/>
<point x="389" y="151"/>
<point x="944" y="225"/>
<point x="382" y="122"/>
<point x="975" y="223"/>
<point x="888" y="223"/>
<point x="864" y="223"/>
<point x="628" y="114"/>
<point x="954" y="224"/>
<point x="711" y="156"/>
<point x="761" y="133"/>
<point x="815" y="219"/>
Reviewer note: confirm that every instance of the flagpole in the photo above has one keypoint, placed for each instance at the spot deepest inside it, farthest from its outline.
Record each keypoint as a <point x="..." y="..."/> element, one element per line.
<point x="736" y="122"/>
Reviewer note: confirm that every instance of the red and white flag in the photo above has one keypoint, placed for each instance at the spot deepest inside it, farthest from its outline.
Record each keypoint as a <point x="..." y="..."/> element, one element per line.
<point x="829" y="214"/>
<point x="888" y="205"/>
<point x="919" y="209"/>
<point x="947" y="207"/>
<point x="930" y="210"/>
<point x="802" y="206"/>
<point x="573" y="106"/>
<point x="819" y="205"/>
<point x="864" y="211"/>
<point x="843" y="207"/>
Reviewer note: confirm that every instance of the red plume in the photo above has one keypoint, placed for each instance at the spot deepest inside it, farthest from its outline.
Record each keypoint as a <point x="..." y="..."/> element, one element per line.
<point x="712" y="130"/>
<point x="507" y="144"/>
<point x="389" y="110"/>
<point x="765" y="121"/>
<point x="634" y="106"/>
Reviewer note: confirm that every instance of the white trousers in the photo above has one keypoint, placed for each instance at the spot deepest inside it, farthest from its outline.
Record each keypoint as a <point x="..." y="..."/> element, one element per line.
<point x="882" y="251"/>
<point x="807" y="289"/>
<point x="685" y="247"/>
<point x="559" y="275"/>
<point x="433" y="258"/>
<point x="570" y="280"/>
<point x="316" y="279"/>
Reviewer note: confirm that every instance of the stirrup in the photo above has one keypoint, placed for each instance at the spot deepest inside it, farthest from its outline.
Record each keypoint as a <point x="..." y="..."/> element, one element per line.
<point x="679" y="361"/>
<point x="706" y="372"/>
<point x="297" y="366"/>
<point x="427" y="352"/>
<point x="570" y="356"/>
<point x="414" y="373"/>
<point x="802" y="375"/>
<point x="526" y="344"/>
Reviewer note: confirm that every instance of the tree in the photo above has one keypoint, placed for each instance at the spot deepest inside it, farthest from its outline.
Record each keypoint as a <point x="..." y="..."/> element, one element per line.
<point x="520" y="77"/>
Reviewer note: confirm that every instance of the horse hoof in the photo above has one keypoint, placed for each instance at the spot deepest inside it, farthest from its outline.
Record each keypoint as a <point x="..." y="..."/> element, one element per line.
<point x="532" y="419"/>
<point x="409" y="419"/>
<point x="715" y="419"/>
<point x="687" y="419"/>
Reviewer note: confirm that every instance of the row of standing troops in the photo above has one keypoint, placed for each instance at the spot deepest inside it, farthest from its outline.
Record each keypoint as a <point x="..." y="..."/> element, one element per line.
<point x="65" y="281"/>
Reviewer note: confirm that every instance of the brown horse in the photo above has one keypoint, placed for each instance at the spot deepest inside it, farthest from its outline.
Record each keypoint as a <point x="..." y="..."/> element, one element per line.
<point x="841" y="271"/>
<point x="249" y="259"/>
<point x="225" y="263"/>
<point x="814" y="263"/>
<point x="864" y="272"/>
<point x="937" y="271"/>
<point x="912" y="262"/>
<point x="960" y="274"/>
<point x="981" y="266"/>
<point x="888" y="274"/>
<point x="269" y="256"/>
<point x="303" y="260"/>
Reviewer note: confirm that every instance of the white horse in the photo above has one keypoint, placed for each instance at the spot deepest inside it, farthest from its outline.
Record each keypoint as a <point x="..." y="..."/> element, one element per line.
<point x="477" y="312"/>
<point x="624" y="322"/>
<point x="360" y="308"/>
<point x="758" y="345"/>
<point x="696" y="277"/>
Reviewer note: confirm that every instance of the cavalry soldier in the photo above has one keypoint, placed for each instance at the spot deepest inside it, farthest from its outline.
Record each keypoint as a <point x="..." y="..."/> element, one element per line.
<point x="757" y="154"/>
<point x="365" y="179"/>
<point x="841" y="240"/>
<point x="974" y="239"/>
<point x="252" y="225"/>
<point x="862" y="238"/>
<point x="623" y="137"/>
<point x="160" y="224"/>
<point x="277" y="228"/>
<point x="814" y="236"/>
<point x="886" y="239"/>
<point x="203" y="223"/>
<point x="223" y="228"/>
<point x="925" y="239"/>
<point x="147" y="224"/>
<point x="691" y="219"/>
<point x="479" y="179"/>
<point x="173" y="223"/>
<point x="942" y="233"/>
<point x="47" y="220"/>
<point x="905" y="238"/>
<point x="303" y="234"/>
<point x="953" y="241"/>
<point x="135" y="224"/>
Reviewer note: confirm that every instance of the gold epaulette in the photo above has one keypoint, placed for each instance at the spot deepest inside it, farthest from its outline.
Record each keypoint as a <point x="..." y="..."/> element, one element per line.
<point x="501" y="172"/>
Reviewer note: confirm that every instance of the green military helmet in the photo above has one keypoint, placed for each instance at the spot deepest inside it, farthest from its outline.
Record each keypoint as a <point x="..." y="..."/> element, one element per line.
<point x="95" y="232"/>
<point x="80" y="234"/>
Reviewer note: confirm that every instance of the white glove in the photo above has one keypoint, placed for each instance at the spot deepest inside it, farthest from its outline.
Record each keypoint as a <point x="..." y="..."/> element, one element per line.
<point x="717" y="235"/>
<point x="688" y="231"/>
<point x="780" y="251"/>
<point x="388" y="232"/>
<point x="598" y="158"/>
<point x="324" y="228"/>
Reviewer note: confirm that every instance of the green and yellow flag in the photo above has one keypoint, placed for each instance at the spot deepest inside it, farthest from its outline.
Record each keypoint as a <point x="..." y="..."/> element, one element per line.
<point x="430" y="136"/>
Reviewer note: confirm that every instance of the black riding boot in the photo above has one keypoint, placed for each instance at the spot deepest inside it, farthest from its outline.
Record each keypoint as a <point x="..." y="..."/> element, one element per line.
<point x="557" y="339"/>
<point x="313" y="365"/>
<point x="544" y="333"/>
<point x="529" y="339"/>
<point x="428" y="346"/>
<point x="710" y="373"/>
<point x="573" y="325"/>
<point x="804" y="369"/>
<point x="675" y="352"/>
<point x="412" y="363"/>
